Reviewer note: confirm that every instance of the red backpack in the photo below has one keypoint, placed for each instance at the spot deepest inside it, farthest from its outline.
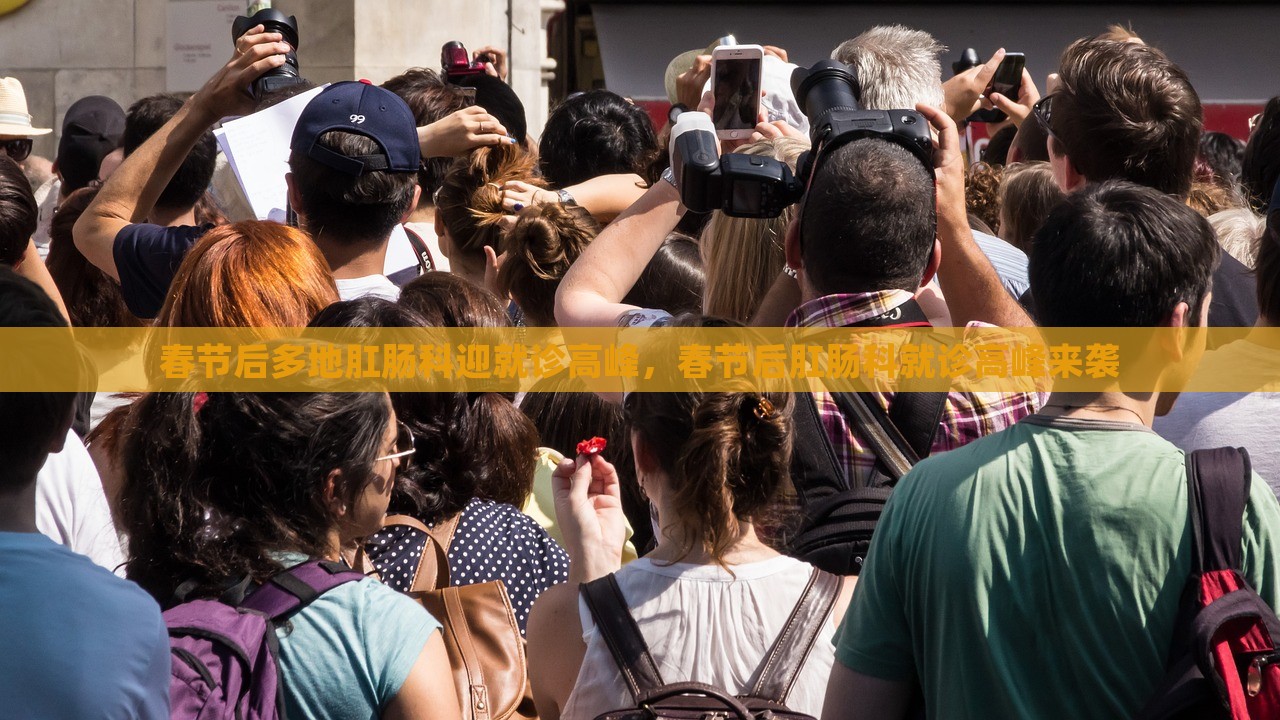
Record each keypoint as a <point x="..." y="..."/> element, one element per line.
<point x="1224" y="661"/>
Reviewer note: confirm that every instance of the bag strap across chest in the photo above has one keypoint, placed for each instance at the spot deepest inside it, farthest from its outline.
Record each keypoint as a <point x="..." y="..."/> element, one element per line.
<point x="776" y="673"/>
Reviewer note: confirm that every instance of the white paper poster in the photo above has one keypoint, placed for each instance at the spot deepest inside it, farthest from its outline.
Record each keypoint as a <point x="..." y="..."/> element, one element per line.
<point x="198" y="38"/>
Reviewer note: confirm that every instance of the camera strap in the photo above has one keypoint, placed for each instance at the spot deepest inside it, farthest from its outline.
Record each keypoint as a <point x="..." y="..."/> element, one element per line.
<point x="425" y="262"/>
<point x="904" y="434"/>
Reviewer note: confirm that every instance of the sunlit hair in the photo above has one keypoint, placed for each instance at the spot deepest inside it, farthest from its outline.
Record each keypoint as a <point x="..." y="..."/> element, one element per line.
<point x="249" y="274"/>
<point x="469" y="201"/>
<point x="897" y="66"/>
<point x="743" y="256"/>
<point x="544" y="242"/>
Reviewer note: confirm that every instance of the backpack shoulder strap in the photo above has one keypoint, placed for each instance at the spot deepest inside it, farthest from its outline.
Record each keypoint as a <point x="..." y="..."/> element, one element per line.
<point x="784" y="661"/>
<point x="894" y="455"/>
<point x="1217" y="490"/>
<point x="291" y="590"/>
<point x="433" y="565"/>
<point x="815" y="471"/>
<point x="621" y="634"/>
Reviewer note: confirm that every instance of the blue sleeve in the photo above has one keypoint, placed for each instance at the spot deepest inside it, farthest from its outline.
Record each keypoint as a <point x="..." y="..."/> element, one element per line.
<point x="155" y="699"/>
<point x="147" y="257"/>
<point x="397" y="630"/>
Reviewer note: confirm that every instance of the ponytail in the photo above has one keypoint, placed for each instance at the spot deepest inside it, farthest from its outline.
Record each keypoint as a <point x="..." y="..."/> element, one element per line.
<point x="727" y="456"/>
<point x="469" y="201"/>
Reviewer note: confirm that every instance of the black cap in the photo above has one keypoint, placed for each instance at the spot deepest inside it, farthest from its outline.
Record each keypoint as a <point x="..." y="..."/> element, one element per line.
<point x="500" y="101"/>
<point x="90" y="130"/>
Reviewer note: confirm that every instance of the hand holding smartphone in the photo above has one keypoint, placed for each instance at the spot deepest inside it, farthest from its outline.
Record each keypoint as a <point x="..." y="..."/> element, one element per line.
<point x="1008" y="82"/>
<point x="736" y="77"/>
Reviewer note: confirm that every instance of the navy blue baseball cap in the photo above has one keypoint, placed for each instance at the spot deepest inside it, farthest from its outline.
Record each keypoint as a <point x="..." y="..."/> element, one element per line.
<point x="366" y="109"/>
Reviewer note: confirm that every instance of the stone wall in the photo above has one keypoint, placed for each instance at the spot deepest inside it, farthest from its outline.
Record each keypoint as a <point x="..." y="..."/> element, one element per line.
<point x="62" y="50"/>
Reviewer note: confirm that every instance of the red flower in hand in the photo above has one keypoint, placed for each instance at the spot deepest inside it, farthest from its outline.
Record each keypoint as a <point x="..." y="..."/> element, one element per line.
<point x="592" y="447"/>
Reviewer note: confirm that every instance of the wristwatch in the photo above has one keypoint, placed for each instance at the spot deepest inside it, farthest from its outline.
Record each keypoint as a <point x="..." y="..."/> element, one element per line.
<point x="566" y="198"/>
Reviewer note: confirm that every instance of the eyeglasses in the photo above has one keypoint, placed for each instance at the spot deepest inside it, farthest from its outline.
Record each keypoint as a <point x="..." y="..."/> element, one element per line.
<point x="1253" y="121"/>
<point x="18" y="149"/>
<point x="1043" y="112"/>
<point x="404" y="447"/>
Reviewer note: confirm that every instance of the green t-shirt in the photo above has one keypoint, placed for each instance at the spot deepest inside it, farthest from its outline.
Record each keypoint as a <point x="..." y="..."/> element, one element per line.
<point x="1037" y="572"/>
<point x="345" y="656"/>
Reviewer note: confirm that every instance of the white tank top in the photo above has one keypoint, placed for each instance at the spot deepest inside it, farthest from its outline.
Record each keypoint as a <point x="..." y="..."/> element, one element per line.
<point x="704" y="625"/>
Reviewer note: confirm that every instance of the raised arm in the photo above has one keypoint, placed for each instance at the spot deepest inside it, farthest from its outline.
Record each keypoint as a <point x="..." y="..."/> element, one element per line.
<point x="970" y="284"/>
<point x="131" y="191"/>
<point x="591" y="293"/>
<point x="33" y="268"/>
<point x="605" y="196"/>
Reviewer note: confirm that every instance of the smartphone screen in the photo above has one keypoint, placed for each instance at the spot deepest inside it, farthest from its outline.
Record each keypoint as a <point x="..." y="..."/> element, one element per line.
<point x="1008" y="78"/>
<point x="736" y="86"/>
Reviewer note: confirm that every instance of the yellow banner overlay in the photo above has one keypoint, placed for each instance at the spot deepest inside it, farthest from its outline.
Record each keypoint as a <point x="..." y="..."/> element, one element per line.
<point x="637" y="359"/>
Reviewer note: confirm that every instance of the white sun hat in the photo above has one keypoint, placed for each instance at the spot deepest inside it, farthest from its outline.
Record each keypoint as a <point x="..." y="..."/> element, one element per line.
<point x="14" y="118"/>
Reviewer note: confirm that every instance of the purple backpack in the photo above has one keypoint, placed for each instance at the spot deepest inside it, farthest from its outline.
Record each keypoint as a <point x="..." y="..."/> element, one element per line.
<point x="224" y="656"/>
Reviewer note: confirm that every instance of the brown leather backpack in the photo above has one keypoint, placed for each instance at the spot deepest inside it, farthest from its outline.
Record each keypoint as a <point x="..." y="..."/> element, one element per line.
<point x="658" y="700"/>
<point x="485" y="647"/>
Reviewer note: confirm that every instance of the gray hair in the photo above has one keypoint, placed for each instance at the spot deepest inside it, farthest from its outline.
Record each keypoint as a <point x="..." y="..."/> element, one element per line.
<point x="1239" y="231"/>
<point x="897" y="67"/>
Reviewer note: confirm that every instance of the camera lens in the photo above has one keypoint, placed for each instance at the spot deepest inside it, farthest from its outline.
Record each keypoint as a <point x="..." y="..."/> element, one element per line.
<point x="273" y="21"/>
<point x="828" y="85"/>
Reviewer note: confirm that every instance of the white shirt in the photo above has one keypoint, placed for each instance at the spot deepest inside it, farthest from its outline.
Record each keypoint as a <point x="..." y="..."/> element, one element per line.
<point x="376" y="285"/>
<point x="71" y="506"/>
<point x="705" y="625"/>
<point x="1215" y="419"/>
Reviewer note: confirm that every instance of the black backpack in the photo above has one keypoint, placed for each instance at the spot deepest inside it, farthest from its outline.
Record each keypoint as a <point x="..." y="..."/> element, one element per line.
<point x="658" y="700"/>
<point x="1224" y="661"/>
<point x="838" y="516"/>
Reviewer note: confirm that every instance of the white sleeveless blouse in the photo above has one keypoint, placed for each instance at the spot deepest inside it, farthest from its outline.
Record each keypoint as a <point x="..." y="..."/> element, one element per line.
<point x="704" y="625"/>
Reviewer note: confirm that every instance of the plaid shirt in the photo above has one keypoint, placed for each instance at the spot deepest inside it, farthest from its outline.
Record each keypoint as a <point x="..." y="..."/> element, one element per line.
<point x="966" y="416"/>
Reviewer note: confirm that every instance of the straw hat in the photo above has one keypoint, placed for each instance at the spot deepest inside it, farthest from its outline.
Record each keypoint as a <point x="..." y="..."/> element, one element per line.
<point x="14" y="118"/>
<point x="681" y="64"/>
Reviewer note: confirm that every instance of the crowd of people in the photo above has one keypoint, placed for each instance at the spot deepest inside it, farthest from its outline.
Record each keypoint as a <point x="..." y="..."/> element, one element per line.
<point x="1031" y="563"/>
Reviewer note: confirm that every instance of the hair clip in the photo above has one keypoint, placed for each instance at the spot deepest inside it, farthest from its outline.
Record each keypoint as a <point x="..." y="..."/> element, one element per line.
<point x="763" y="408"/>
<point x="199" y="400"/>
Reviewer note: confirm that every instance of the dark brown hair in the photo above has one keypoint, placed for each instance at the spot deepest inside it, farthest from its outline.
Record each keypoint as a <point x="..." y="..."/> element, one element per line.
<point x="18" y="212"/>
<point x="544" y="242"/>
<point x="727" y="454"/>
<point x="469" y="201"/>
<point x="1027" y="195"/>
<point x="496" y="431"/>
<point x="347" y="208"/>
<point x="92" y="298"/>
<point x="211" y="493"/>
<point x="1267" y="271"/>
<point x="982" y="193"/>
<point x="565" y="412"/>
<point x="1125" y="111"/>
<point x="431" y="99"/>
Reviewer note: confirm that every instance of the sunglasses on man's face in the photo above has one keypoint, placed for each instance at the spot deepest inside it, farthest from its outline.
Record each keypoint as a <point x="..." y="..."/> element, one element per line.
<point x="18" y="149"/>
<point x="1043" y="112"/>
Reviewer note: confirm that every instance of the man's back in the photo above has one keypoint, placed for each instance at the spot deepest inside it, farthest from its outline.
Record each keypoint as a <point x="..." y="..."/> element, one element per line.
<point x="78" y="641"/>
<point x="1037" y="572"/>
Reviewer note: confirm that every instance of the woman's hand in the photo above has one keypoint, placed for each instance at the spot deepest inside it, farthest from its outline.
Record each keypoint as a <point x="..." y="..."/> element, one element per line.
<point x="588" y="499"/>
<point x="517" y="196"/>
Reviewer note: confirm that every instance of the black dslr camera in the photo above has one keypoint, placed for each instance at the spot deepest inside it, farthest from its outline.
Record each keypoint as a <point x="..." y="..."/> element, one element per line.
<point x="456" y="64"/>
<point x="759" y="187"/>
<point x="273" y="20"/>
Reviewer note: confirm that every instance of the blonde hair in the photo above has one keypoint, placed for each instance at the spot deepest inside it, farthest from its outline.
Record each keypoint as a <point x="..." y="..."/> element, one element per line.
<point x="743" y="256"/>
<point x="1239" y="231"/>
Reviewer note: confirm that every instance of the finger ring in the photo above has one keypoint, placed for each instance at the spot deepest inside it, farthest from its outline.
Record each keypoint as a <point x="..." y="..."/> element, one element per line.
<point x="519" y="207"/>
<point x="482" y="128"/>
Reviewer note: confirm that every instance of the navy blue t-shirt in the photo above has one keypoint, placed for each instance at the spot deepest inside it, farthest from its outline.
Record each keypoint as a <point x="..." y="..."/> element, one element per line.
<point x="147" y="257"/>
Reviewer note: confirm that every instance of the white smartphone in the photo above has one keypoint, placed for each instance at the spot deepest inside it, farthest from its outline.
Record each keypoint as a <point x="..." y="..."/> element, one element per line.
<point x="736" y="76"/>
